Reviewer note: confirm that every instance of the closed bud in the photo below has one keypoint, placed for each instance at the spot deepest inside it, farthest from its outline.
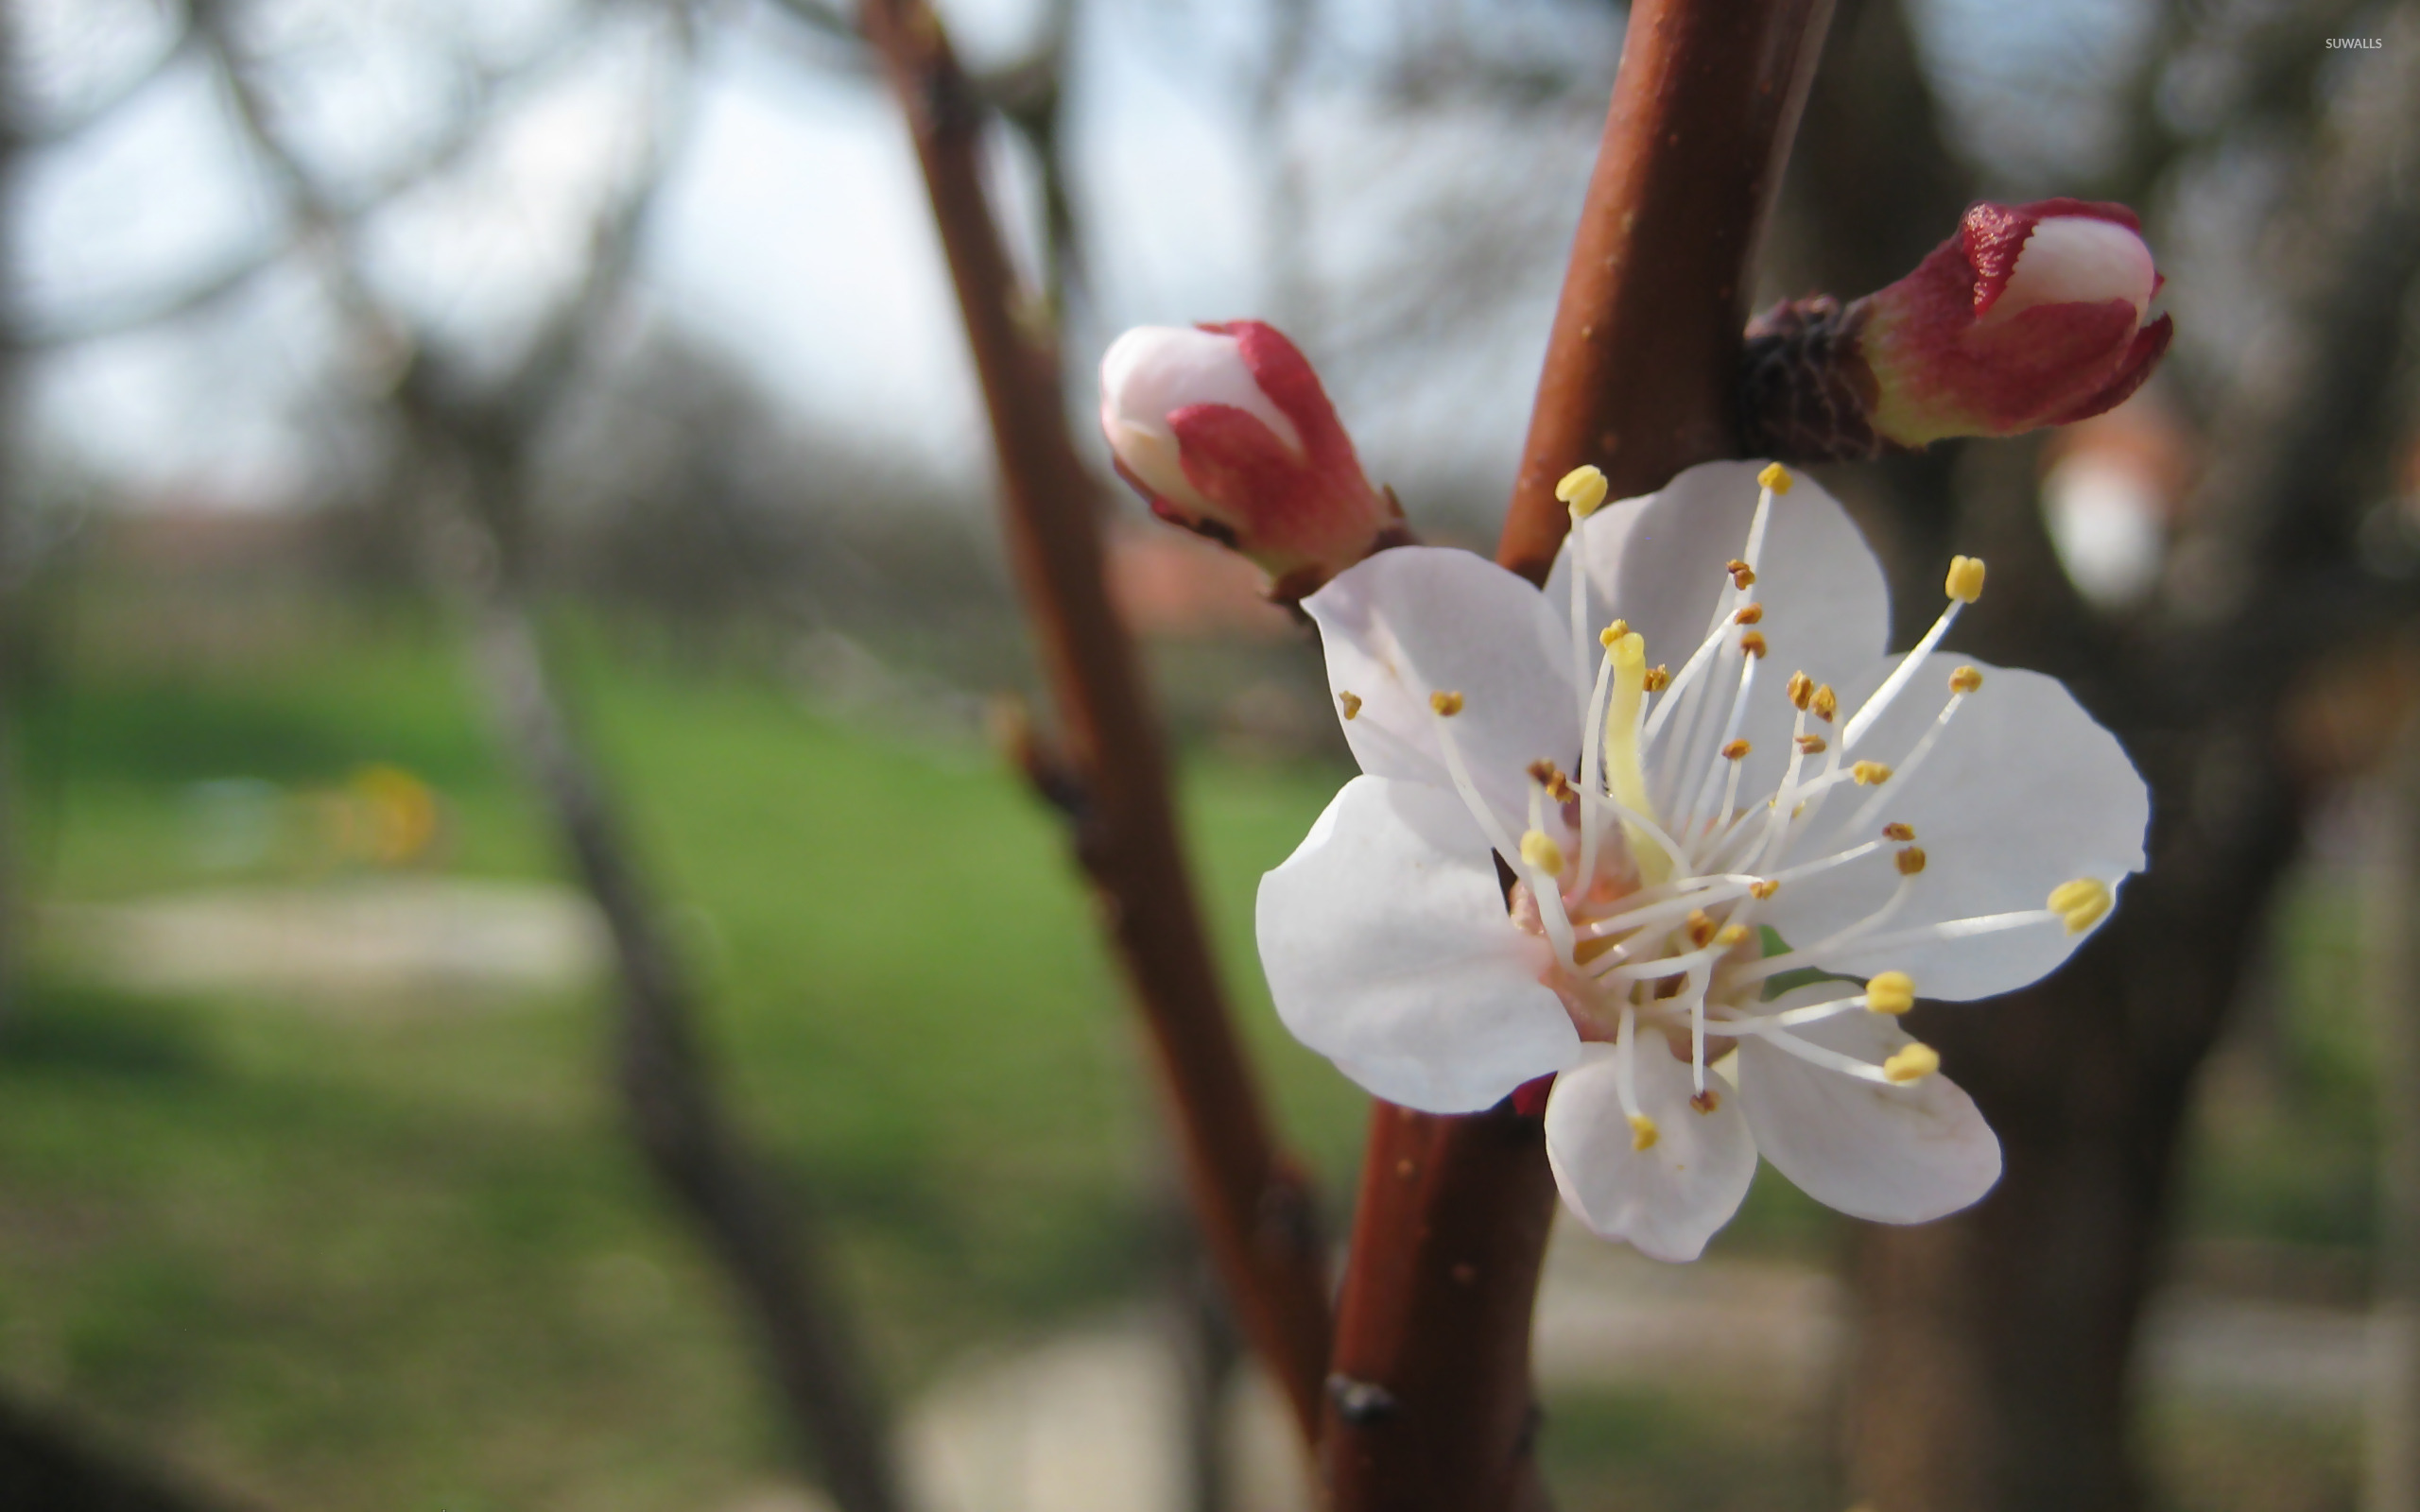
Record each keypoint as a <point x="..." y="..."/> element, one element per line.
<point x="2031" y="316"/>
<point x="1225" y="431"/>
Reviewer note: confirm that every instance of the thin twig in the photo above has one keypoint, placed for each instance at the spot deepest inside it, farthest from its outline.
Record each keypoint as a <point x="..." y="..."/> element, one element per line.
<point x="1430" y="1403"/>
<point x="1253" y="1208"/>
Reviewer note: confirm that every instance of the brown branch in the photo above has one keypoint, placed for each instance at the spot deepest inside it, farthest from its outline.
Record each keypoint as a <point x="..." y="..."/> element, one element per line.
<point x="1253" y="1208"/>
<point x="775" y="1260"/>
<point x="1431" y="1399"/>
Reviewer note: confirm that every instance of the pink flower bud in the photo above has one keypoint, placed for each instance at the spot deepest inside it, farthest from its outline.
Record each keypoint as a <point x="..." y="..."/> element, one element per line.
<point x="2029" y="316"/>
<point x="1225" y="430"/>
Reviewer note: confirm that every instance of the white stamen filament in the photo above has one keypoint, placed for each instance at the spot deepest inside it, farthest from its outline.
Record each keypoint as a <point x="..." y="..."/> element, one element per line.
<point x="1872" y="808"/>
<point x="1625" y="1054"/>
<point x="1772" y="966"/>
<point x="1547" y="892"/>
<point x="1863" y="719"/>
<point x="1829" y="1059"/>
<point x="1670" y="908"/>
<point x="1730" y="732"/>
<point x="1592" y="764"/>
<point x="1695" y="991"/>
<point x="1790" y="1017"/>
<point x="1961" y="928"/>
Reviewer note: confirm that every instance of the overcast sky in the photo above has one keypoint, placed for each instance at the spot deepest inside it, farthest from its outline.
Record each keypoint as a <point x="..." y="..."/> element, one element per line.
<point x="792" y="231"/>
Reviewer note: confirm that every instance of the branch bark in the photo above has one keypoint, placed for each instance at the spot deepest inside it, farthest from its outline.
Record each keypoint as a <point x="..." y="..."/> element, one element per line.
<point x="1430" y="1401"/>
<point x="1255" y="1210"/>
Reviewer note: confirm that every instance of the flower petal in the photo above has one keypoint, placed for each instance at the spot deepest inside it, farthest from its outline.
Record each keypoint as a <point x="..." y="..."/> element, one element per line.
<point x="1667" y="1200"/>
<point x="2022" y="792"/>
<point x="1889" y="1154"/>
<point x="1419" y="620"/>
<point x="1388" y="952"/>
<point x="1658" y="563"/>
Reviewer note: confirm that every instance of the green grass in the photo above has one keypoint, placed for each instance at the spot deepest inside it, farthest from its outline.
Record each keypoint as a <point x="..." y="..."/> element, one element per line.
<point x="402" y="1258"/>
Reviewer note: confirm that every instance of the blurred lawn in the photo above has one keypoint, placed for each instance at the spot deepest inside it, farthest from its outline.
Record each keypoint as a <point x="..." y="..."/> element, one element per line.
<point x="387" y="1258"/>
<point x="399" y="1256"/>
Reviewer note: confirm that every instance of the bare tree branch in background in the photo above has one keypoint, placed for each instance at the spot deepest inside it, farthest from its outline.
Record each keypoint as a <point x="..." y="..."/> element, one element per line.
<point x="473" y="450"/>
<point x="1995" y="1363"/>
<point x="1255" y="1210"/>
<point x="47" y="1466"/>
<point x="488" y="94"/>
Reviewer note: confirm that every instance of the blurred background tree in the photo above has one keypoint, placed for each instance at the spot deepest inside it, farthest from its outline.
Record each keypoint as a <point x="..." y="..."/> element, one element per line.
<point x="641" y="311"/>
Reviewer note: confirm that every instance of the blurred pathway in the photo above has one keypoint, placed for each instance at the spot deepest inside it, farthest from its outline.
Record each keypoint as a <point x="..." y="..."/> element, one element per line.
<point x="393" y="938"/>
<point x="1091" y="1421"/>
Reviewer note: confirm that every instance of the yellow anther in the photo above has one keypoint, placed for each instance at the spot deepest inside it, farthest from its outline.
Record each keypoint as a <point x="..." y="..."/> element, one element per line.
<point x="1612" y="632"/>
<point x="1898" y="832"/>
<point x="1730" y="935"/>
<point x="1869" y="774"/>
<point x="1966" y="581"/>
<point x="1890" y="992"/>
<point x="1825" y="703"/>
<point x="1352" y="702"/>
<point x="1643" y="1132"/>
<point x="1699" y="928"/>
<point x="1913" y="1061"/>
<point x="1749" y="614"/>
<point x="1911" y="860"/>
<point x="1775" y="477"/>
<point x="2081" y="902"/>
<point x="1810" y="745"/>
<point x="1734" y="750"/>
<point x="1446" y="704"/>
<point x="1965" y="680"/>
<point x="1802" y="690"/>
<point x="1706" y="1101"/>
<point x="1742" y="576"/>
<point x="1752" y="644"/>
<point x="1539" y="849"/>
<point x="1658" y="679"/>
<point x="1765" y="888"/>
<point x="1584" y="490"/>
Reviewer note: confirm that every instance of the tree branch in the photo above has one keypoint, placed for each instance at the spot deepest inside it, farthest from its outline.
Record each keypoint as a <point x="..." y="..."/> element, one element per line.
<point x="1253" y="1208"/>
<point x="1430" y="1400"/>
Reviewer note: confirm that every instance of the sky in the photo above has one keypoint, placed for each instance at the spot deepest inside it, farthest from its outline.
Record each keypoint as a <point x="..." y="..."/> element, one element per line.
<point x="790" y="232"/>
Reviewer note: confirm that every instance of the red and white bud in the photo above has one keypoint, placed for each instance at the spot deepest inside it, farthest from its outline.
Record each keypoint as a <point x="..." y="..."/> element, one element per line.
<point x="2031" y="316"/>
<point x="1225" y="431"/>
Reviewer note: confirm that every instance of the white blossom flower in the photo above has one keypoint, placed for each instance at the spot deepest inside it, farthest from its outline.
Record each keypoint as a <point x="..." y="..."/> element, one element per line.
<point x="1699" y="891"/>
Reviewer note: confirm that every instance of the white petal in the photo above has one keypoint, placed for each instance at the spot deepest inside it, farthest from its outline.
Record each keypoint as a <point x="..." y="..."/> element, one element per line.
<point x="1659" y="561"/>
<point x="2077" y="258"/>
<point x="1420" y="619"/>
<point x="1667" y="1200"/>
<point x="1891" y="1154"/>
<point x="2022" y="792"/>
<point x="1151" y="372"/>
<point x="1388" y="952"/>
